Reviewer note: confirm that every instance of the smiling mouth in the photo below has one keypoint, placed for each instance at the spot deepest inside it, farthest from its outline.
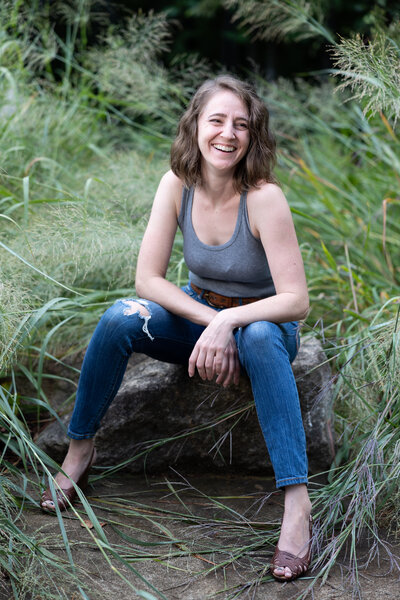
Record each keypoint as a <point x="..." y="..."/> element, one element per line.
<point x="223" y="148"/>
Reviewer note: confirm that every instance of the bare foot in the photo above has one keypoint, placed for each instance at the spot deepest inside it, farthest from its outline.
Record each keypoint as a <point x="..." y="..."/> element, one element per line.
<point x="79" y="455"/>
<point x="295" y="531"/>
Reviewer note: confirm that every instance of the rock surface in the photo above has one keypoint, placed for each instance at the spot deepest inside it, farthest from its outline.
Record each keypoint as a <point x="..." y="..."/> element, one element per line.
<point x="158" y="400"/>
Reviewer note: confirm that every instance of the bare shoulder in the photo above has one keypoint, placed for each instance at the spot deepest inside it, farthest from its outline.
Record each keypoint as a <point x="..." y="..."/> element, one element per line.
<point x="170" y="190"/>
<point x="267" y="207"/>
<point x="170" y="180"/>
<point x="267" y="196"/>
<point x="171" y="184"/>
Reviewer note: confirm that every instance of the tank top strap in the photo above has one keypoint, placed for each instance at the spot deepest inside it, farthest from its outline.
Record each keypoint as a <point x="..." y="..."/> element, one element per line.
<point x="244" y="214"/>
<point x="246" y="218"/>
<point x="186" y="202"/>
<point x="242" y="206"/>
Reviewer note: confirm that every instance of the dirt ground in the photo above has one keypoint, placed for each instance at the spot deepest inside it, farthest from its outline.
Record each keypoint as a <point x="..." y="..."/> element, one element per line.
<point x="181" y="577"/>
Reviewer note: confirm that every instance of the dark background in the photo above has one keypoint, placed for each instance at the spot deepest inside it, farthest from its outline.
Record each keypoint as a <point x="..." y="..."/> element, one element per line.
<point x="206" y="28"/>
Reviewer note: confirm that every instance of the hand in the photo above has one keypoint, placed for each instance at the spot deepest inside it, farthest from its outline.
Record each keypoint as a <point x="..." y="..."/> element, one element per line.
<point x="215" y="353"/>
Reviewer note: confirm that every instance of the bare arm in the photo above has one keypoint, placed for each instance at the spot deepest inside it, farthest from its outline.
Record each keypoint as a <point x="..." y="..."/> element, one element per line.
<point x="271" y="218"/>
<point x="155" y="253"/>
<point x="154" y="256"/>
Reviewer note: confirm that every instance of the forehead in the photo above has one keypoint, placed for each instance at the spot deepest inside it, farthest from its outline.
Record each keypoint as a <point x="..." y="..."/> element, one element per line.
<point x="225" y="101"/>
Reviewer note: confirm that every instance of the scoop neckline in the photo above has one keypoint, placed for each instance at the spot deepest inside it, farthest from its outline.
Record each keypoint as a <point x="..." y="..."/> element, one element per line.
<point x="235" y="231"/>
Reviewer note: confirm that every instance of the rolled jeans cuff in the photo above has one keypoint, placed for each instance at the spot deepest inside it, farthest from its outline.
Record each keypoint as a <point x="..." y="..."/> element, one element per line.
<point x="280" y="483"/>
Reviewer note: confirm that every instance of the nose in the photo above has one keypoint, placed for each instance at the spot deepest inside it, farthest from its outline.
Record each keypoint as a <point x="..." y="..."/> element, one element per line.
<point x="228" y="129"/>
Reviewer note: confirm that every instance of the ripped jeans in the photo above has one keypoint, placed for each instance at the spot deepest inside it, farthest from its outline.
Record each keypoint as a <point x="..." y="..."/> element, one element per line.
<point x="265" y="353"/>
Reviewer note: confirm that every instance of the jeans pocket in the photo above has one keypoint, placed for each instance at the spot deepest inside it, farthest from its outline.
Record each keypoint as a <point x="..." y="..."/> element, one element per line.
<point x="190" y="291"/>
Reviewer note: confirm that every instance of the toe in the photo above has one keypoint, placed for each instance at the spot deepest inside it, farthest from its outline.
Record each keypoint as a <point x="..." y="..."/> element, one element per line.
<point x="288" y="573"/>
<point x="283" y="572"/>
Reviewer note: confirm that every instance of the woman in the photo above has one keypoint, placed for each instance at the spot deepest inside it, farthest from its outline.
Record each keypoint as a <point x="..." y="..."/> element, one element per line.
<point x="239" y="310"/>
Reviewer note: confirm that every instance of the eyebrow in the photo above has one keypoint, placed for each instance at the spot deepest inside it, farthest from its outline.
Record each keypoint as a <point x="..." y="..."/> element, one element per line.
<point x="224" y="115"/>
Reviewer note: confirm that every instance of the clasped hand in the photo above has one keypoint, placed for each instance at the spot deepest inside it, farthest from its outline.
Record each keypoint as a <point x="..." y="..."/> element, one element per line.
<point x="215" y="353"/>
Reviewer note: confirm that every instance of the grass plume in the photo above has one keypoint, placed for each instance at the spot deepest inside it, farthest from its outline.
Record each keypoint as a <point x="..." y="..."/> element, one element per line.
<point x="83" y="148"/>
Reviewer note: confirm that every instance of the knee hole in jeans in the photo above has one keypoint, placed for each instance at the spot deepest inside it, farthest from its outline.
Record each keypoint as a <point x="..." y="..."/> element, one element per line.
<point x="138" y="307"/>
<point x="135" y="307"/>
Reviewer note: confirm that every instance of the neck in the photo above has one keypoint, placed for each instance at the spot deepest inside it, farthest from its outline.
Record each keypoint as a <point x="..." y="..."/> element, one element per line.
<point x="218" y="187"/>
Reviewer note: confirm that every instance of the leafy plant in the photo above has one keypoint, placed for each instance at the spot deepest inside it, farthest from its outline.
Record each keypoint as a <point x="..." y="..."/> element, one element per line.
<point x="370" y="68"/>
<point x="84" y="136"/>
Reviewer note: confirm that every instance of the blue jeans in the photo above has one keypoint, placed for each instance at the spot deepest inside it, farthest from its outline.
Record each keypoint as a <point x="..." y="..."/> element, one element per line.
<point x="265" y="353"/>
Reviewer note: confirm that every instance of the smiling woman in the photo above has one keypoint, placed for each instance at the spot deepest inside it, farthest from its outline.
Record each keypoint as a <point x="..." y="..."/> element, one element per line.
<point x="223" y="131"/>
<point x="260" y="157"/>
<point x="239" y="310"/>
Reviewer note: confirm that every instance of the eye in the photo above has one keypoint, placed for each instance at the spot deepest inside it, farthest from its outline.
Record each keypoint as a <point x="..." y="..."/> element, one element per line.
<point x="215" y="120"/>
<point x="242" y="125"/>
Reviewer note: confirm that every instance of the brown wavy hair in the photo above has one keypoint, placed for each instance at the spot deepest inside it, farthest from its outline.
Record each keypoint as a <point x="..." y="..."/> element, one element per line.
<point x="257" y="164"/>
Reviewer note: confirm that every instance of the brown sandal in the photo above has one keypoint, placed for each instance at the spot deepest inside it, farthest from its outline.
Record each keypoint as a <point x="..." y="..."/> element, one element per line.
<point x="297" y="564"/>
<point x="66" y="496"/>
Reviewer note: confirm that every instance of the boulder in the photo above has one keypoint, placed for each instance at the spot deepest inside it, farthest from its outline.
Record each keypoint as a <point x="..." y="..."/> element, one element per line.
<point x="207" y="427"/>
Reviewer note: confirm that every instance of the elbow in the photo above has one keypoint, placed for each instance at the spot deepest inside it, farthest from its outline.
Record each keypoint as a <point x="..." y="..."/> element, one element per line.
<point x="140" y="286"/>
<point x="299" y="306"/>
<point x="145" y="284"/>
<point x="302" y="316"/>
<point x="303" y="308"/>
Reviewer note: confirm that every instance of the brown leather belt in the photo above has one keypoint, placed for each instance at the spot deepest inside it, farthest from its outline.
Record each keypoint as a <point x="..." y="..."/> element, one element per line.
<point x="220" y="301"/>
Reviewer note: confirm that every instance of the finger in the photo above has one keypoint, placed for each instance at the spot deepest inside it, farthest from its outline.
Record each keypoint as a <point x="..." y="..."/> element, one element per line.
<point x="209" y="364"/>
<point x="217" y="369"/>
<point x="231" y="370"/>
<point x="192" y="361"/>
<point x="220" y="363"/>
<point x="224" y="377"/>
<point x="201" y="369"/>
<point x="201" y="363"/>
<point x="234" y="366"/>
<point x="196" y="361"/>
<point x="223" y="369"/>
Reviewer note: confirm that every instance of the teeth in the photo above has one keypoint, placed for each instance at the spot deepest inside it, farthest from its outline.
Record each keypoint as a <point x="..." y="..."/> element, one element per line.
<point x="224" y="148"/>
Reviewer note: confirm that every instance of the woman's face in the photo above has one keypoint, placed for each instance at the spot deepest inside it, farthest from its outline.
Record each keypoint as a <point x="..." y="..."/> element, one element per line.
<point x="223" y="131"/>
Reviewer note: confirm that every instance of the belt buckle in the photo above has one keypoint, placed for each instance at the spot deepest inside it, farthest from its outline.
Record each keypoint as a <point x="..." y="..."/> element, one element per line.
<point x="206" y="295"/>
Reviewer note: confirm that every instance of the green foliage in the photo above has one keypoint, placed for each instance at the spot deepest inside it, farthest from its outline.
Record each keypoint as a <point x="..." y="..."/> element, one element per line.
<point x="73" y="203"/>
<point x="84" y="141"/>
<point x="73" y="206"/>
<point x="363" y="489"/>
<point x="126" y="67"/>
<point x="371" y="70"/>
<point x="278" y="19"/>
<point x="340" y="172"/>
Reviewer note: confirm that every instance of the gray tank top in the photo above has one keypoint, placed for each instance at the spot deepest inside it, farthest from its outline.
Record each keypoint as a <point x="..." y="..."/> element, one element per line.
<point x="237" y="268"/>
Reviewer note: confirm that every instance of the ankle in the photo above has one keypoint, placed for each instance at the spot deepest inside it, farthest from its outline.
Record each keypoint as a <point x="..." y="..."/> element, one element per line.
<point x="297" y="500"/>
<point x="81" y="448"/>
<point x="79" y="453"/>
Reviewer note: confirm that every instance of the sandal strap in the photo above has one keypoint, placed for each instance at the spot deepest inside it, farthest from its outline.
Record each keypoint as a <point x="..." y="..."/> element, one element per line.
<point x="66" y="496"/>
<point x="297" y="564"/>
<point x="62" y="496"/>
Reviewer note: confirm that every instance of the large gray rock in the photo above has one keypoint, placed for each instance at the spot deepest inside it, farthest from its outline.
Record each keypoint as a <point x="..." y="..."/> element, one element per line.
<point x="208" y="427"/>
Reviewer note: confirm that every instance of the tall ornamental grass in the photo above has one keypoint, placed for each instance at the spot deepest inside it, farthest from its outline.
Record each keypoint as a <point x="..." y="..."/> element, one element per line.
<point x="82" y="152"/>
<point x="340" y="168"/>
